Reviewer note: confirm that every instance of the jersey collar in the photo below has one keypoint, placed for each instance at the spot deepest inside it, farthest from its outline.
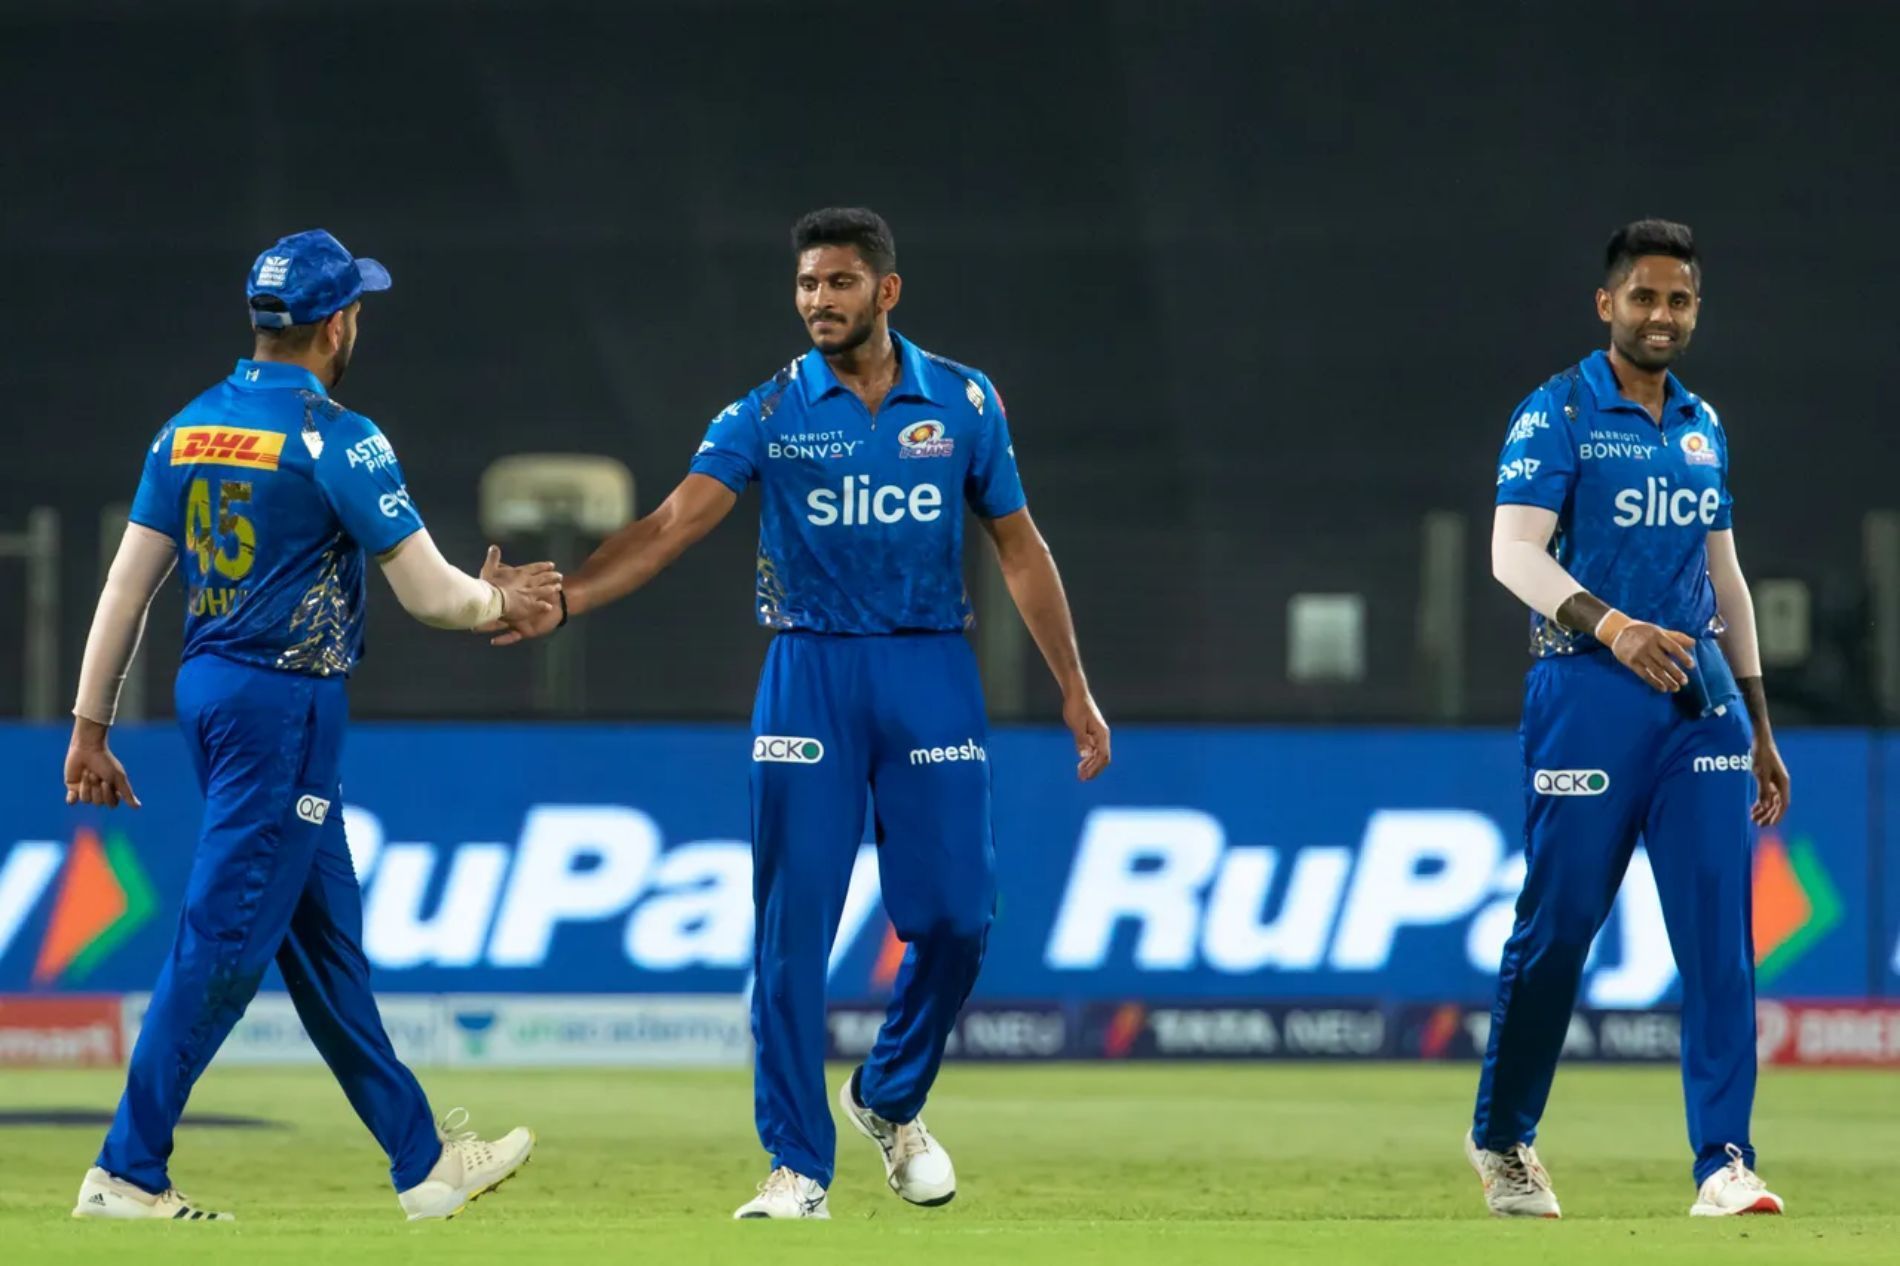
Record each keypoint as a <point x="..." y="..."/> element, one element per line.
<point x="1609" y="394"/>
<point x="263" y="375"/>
<point x="916" y="376"/>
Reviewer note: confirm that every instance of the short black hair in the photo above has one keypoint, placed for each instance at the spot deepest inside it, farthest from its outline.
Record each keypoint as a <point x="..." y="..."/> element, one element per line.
<point x="1649" y="237"/>
<point x="282" y="340"/>
<point x="858" y="227"/>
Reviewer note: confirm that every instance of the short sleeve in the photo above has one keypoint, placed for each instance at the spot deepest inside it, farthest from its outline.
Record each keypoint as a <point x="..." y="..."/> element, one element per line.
<point x="1538" y="466"/>
<point x="362" y="481"/>
<point x="731" y="450"/>
<point x="155" y="504"/>
<point x="994" y="487"/>
<point x="1725" y="511"/>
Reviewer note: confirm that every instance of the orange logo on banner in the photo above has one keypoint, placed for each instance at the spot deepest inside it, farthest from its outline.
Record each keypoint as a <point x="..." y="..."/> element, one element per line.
<point x="226" y="445"/>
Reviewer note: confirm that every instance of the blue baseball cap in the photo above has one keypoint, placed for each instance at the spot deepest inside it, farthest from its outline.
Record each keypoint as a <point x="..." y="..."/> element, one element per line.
<point x="312" y="276"/>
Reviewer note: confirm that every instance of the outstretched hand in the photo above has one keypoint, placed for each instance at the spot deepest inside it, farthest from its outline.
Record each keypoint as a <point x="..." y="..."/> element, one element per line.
<point x="531" y="599"/>
<point x="530" y="595"/>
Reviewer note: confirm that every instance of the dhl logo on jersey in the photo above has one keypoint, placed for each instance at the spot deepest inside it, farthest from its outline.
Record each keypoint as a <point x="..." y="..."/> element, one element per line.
<point x="226" y="445"/>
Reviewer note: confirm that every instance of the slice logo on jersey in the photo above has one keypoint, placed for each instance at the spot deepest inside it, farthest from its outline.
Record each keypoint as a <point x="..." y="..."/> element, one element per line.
<point x="1697" y="449"/>
<point x="1570" y="782"/>
<point x="776" y="749"/>
<point x="226" y="446"/>
<point x="1795" y="904"/>
<point x="855" y="503"/>
<point x="103" y="898"/>
<point x="924" y="439"/>
<point x="1655" y="504"/>
<point x="974" y="394"/>
<point x="313" y="809"/>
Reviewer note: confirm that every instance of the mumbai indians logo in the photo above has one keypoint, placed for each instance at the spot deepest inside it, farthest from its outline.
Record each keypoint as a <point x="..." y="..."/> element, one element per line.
<point x="103" y="898"/>
<point x="1796" y="904"/>
<point x="787" y="751"/>
<point x="924" y="439"/>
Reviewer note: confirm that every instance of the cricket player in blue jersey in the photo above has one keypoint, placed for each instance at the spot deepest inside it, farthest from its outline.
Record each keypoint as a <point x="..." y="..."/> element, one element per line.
<point x="267" y="493"/>
<point x="865" y="450"/>
<point x="1614" y="525"/>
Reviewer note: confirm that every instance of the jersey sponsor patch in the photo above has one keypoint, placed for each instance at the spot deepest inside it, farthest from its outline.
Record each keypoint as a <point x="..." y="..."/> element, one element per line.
<point x="226" y="446"/>
<point x="782" y="750"/>
<point x="1570" y="782"/>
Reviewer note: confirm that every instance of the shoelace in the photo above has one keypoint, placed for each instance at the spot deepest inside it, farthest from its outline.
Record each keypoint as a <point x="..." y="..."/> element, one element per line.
<point x="451" y="1131"/>
<point x="1741" y="1173"/>
<point x="912" y="1140"/>
<point x="780" y="1180"/>
<point x="1519" y="1171"/>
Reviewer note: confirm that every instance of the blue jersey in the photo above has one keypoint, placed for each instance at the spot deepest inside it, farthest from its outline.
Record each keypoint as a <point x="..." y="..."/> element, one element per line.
<point x="861" y="518"/>
<point x="273" y="492"/>
<point x="1635" y="500"/>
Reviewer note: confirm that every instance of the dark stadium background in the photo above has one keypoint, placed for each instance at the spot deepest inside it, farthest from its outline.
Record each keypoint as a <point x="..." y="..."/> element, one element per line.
<point x="1261" y="284"/>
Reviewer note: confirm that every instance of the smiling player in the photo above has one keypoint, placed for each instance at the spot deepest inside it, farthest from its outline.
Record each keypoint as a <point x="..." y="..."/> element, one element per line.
<point x="1613" y="525"/>
<point x="865" y="450"/>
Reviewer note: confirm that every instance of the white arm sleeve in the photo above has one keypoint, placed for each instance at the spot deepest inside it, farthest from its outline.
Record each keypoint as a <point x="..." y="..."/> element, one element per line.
<point x="1736" y="605"/>
<point x="1521" y="561"/>
<point x="434" y="590"/>
<point x="144" y="559"/>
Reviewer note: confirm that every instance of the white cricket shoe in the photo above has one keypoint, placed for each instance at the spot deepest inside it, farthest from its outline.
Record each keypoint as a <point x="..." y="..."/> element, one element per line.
<point x="1516" y="1185"/>
<point x="785" y="1194"/>
<point x="103" y="1196"/>
<point x="468" y="1169"/>
<point x="915" y="1164"/>
<point x="1733" y="1189"/>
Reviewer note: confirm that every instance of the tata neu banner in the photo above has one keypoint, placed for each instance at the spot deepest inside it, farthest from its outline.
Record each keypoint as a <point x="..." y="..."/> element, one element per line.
<point x="1335" y="869"/>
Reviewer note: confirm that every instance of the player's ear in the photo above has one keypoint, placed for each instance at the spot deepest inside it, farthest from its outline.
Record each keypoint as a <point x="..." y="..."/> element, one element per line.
<point x="1605" y="305"/>
<point x="889" y="288"/>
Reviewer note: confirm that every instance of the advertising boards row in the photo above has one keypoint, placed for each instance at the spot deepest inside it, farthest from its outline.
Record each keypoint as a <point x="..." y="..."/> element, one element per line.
<point x="671" y="1030"/>
<point x="1207" y="866"/>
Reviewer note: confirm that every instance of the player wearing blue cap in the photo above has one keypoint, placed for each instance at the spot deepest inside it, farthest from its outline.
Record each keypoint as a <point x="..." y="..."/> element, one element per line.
<point x="1614" y="525"/>
<point x="865" y="450"/>
<point x="268" y="493"/>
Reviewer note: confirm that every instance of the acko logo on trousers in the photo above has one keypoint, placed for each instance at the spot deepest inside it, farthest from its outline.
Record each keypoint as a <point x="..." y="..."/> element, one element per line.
<point x="1570" y="782"/>
<point x="313" y="809"/>
<point x="787" y="751"/>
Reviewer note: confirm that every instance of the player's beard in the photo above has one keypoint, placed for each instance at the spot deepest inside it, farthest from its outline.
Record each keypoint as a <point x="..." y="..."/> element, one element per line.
<point x="857" y="336"/>
<point x="342" y="363"/>
<point x="1642" y="355"/>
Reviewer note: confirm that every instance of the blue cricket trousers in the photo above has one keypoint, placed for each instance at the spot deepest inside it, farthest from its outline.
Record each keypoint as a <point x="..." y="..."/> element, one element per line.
<point x="1606" y="759"/>
<point x="901" y="715"/>
<point x="271" y="879"/>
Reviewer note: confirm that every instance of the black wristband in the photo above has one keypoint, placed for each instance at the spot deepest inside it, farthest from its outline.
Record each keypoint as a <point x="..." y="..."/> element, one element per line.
<point x="562" y="593"/>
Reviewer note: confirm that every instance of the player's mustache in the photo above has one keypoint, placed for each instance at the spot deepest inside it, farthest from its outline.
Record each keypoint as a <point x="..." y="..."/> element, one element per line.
<point x="826" y="316"/>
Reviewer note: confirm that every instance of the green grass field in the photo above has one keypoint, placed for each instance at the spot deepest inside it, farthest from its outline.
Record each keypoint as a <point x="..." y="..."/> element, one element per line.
<point x="1161" y="1165"/>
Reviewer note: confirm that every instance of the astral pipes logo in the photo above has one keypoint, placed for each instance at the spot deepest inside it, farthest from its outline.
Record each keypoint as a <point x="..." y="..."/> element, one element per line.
<point x="103" y="897"/>
<point x="1796" y="904"/>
